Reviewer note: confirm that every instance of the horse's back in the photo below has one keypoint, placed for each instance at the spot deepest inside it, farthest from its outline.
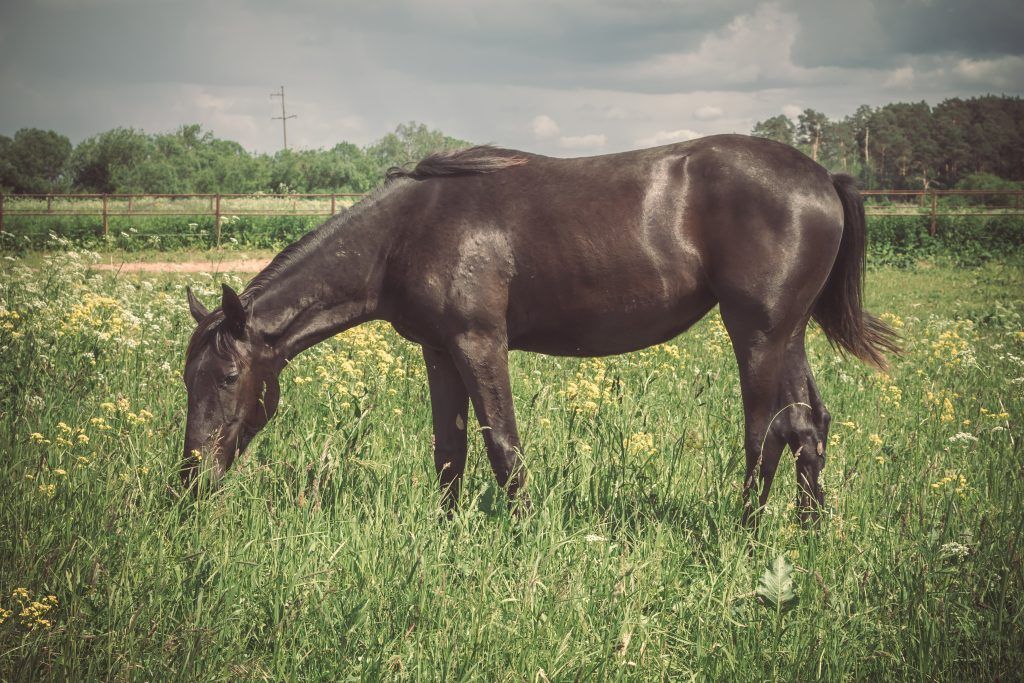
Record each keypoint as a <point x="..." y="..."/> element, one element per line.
<point x="608" y="254"/>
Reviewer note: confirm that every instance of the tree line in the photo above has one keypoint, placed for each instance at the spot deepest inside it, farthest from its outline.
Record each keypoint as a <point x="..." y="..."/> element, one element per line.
<point x="957" y="143"/>
<point x="976" y="142"/>
<point x="191" y="160"/>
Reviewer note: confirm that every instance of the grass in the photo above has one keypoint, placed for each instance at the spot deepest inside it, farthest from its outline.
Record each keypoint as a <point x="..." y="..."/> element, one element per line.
<point x="323" y="557"/>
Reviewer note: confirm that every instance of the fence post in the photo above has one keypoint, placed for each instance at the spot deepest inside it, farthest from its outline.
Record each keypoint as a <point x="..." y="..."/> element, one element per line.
<point x="333" y="197"/>
<point x="216" y="219"/>
<point x="49" y="203"/>
<point x="931" y="229"/>
<point x="1018" y="200"/>
<point x="106" y="223"/>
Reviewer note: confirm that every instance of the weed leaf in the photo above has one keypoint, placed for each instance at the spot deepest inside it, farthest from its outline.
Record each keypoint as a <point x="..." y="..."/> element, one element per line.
<point x="775" y="588"/>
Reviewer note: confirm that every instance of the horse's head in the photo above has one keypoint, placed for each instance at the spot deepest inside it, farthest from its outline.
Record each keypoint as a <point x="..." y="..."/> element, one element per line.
<point x="231" y="377"/>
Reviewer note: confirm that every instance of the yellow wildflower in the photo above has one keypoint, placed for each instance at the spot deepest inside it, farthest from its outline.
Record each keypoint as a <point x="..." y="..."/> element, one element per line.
<point x="947" y="410"/>
<point x="640" y="443"/>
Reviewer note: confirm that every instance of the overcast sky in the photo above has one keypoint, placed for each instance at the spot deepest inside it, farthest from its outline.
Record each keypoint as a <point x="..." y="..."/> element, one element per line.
<point x="562" y="77"/>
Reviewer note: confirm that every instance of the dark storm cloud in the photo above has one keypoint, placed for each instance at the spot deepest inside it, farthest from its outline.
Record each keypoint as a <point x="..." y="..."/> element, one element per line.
<point x="138" y="42"/>
<point x="597" y="74"/>
<point x="880" y="33"/>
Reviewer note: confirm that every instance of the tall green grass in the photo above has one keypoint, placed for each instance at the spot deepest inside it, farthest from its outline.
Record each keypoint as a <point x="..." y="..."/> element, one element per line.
<point x="323" y="556"/>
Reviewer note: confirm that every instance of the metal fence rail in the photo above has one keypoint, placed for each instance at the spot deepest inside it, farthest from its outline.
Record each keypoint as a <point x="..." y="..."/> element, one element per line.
<point x="106" y="206"/>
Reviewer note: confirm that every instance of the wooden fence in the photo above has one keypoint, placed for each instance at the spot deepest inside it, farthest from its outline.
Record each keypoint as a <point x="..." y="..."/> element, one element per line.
<point x="105" y="206"/>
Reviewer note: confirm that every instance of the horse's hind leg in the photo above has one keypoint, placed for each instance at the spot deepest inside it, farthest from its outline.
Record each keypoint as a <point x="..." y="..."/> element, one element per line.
<point x="760" y="355"/>
<point x="804" y="428"/>
<point x="782" y="407"/>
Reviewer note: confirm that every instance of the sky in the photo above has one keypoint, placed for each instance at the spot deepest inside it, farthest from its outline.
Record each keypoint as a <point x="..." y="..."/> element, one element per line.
<point x="559" y="77"/>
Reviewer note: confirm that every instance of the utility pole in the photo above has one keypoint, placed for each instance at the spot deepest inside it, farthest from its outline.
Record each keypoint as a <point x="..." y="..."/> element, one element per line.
<point x="283" y="117"/>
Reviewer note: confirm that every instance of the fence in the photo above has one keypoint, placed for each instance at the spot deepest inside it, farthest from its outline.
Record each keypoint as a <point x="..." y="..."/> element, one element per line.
<point x="106" y="206"/>
<point x="926" y="202"/>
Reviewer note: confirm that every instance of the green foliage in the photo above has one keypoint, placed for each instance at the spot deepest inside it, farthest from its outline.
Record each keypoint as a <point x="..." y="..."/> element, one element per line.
<point x="904" y="241"/>
<point x="912" y="145"/>
<point x="987" y="181"/>
<point x="776" y="588"/>
<point x="191" y="160"/>
<point x="100" y="164"/>
<point x="779" y="128"/>
<point x="34" y="161"/>
<point x="324" y="557"/>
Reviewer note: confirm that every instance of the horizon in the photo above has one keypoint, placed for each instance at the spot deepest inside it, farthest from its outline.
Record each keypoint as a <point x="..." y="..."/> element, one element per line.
<point x="331" y="145"/>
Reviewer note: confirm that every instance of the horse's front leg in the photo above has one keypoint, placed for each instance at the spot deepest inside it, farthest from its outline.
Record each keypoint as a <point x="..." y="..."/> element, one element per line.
<point x="449" y="404"/>
<point x="482" y="360"/>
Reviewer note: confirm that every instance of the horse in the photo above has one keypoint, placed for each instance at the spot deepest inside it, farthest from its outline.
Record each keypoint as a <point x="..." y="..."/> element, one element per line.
<point x="476" y="252"/>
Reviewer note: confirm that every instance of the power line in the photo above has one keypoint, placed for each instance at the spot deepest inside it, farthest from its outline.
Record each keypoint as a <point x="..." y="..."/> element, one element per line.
<point x="283" y="117"/>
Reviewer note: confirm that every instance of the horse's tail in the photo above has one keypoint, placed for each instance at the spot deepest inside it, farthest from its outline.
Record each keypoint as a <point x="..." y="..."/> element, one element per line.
<point x="839" y="308"/>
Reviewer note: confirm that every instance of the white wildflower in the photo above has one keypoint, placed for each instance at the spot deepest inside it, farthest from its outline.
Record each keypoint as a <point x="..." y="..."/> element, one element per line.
<point x="954" y="551"/>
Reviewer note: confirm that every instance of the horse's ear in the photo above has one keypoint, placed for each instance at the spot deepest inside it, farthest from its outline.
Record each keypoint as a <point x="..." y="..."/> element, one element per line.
<point x="195" y="306"/>
<point x="234" y="312"/>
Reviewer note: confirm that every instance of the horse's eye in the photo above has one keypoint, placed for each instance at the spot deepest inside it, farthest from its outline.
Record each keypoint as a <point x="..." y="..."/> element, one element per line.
<point x="230" y="379"/>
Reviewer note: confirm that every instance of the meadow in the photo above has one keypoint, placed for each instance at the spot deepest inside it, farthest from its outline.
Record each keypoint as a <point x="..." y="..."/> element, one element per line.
<point x="324" y="557"/>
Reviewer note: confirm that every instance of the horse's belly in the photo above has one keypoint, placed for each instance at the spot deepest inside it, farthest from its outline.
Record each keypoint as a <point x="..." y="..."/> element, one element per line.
<point x="611" y="326"/>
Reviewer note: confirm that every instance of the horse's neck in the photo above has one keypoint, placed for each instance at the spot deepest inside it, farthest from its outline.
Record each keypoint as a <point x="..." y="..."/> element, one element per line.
<point x="328" y="282"/>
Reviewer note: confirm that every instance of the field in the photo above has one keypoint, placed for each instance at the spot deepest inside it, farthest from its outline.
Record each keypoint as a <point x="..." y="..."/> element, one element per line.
<point x="323" y="557"/>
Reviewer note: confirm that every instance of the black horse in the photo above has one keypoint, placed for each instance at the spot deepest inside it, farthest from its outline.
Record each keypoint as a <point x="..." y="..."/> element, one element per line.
<point x="476" y="252"/>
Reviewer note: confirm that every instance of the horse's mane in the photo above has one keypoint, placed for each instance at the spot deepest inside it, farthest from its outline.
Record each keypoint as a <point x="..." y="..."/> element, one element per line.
<point x="468" y="161"/>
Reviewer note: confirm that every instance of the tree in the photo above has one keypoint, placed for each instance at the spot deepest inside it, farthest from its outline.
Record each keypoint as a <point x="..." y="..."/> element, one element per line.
<point x="779" y="128"/>
<point x="98" y="162"/>
<point x="6" y="167"/>
<point x="410" y="142"/>
<point x="838" y="150"/>
<point x="35" y="161"/>
<point x="809" y="130"/>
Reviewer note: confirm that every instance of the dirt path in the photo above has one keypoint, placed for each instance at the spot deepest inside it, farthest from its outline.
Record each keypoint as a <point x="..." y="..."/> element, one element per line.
<point x="251" y="265"/>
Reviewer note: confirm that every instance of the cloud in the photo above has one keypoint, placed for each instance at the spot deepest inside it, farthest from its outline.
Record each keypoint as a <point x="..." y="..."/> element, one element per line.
<point x="707" y="113"/>
<point x="544" y="127"/>
<point x="578" y="142"/>
<point x="792" y="110"/>
<point x="751" y="51"/>
<point x="1005" y="73"/>
<point x="524" y="74"/>
<point x="663" y="137"/>
<point x="899" y="78"/>
<point x="882" y="33"/>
